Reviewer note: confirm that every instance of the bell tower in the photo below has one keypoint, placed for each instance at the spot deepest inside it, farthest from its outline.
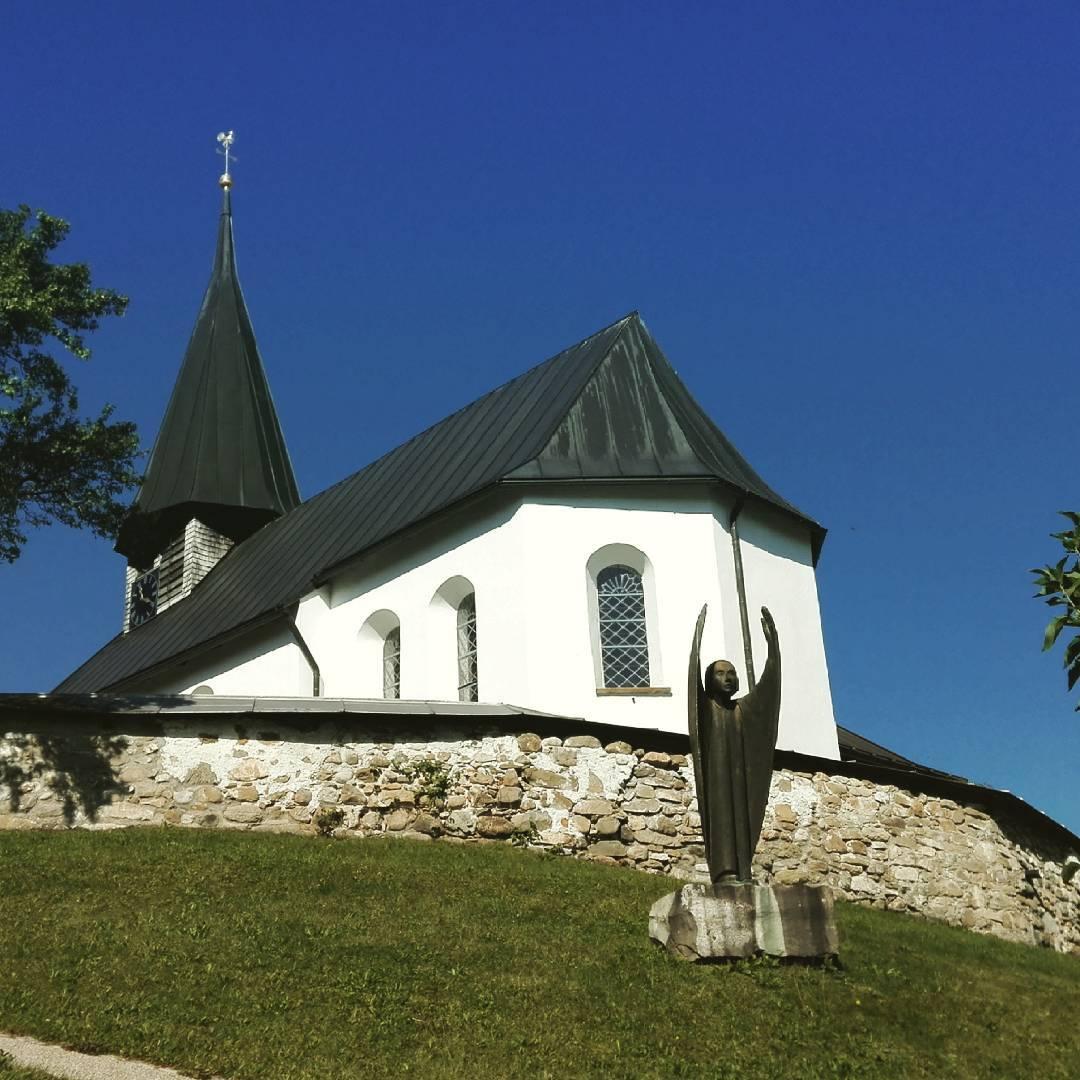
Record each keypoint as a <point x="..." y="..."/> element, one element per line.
<point x="219" y="469"/>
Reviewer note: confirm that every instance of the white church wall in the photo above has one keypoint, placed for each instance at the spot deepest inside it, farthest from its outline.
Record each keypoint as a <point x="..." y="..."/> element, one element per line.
<point x="779" y="573"/>
<point x="569" y="544"/>
<point x="266" y="663"/>
<point x="421" y="581"/>
<point x="531" y="564"/>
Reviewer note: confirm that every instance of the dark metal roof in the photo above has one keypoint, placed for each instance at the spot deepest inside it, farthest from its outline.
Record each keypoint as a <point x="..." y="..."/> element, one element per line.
<point x="98" y="706"/>
<point x="220" y="454"/>
<point x="855" y="747"/>
<point x="608" y="408"/>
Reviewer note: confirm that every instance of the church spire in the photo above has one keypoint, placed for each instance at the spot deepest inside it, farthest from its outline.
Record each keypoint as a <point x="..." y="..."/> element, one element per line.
<point x="220" y="456"/>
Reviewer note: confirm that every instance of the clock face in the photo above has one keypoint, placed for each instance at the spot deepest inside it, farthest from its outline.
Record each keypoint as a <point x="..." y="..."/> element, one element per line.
<point x="144" y="597"/>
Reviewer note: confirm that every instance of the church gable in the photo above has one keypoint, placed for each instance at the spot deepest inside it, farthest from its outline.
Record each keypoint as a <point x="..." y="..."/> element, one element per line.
<point x="619" y="426"/>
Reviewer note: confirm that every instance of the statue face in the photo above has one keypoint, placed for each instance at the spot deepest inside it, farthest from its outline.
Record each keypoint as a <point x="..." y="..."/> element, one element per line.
<point x="722" y="680"/>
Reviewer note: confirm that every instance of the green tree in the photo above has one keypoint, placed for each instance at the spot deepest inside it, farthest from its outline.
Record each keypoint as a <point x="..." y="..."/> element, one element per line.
<point x="54" y="464"/>
<point x="1060" y="584"/>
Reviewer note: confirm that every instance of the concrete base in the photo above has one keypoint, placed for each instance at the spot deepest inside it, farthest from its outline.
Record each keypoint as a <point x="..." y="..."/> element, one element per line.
<point x="729" y="922"/>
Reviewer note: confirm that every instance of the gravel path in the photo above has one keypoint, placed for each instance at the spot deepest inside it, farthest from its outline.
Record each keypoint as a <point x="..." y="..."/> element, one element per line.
<point x="31" y="1054"/>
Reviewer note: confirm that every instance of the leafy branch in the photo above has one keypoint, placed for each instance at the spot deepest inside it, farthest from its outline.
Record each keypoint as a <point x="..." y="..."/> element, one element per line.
<point x="1060" y="585"/>
<point x="54" y="464"/>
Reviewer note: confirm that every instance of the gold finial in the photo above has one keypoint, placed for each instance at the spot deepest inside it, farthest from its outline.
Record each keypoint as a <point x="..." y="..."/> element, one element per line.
<point x="226" y="138"/>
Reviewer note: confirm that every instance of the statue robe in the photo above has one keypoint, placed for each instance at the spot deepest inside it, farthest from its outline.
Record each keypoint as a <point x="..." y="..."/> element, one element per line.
<point x="733" y="754"/>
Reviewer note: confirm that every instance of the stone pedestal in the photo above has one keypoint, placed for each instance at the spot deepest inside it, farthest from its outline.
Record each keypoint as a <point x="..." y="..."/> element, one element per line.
<point x="728" y="922"/>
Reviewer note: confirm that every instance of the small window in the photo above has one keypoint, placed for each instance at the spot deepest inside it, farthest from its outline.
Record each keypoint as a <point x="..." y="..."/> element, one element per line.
<point x="466" y="649"/>
<point x="391" y="664"/>
<point x="624" y="643"/>
<point x="377" y="673"/>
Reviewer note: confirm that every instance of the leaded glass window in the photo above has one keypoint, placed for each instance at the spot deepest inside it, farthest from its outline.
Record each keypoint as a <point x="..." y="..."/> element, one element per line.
<point x="391" y="664"/>
<point x="624" y="645"/>
<point x="466" y="649"/>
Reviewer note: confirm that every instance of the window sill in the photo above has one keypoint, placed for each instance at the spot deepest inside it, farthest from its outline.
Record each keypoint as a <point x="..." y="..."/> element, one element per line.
<point x="633" y="691"/>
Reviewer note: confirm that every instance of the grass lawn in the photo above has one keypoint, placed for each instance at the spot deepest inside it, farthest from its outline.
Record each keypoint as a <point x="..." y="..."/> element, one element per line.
<point x="287" y="958"/>
<point x="13" y="1072"/>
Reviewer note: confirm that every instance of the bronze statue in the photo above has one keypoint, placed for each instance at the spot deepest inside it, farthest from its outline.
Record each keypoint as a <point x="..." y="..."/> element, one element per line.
<point x="732" y="743"/>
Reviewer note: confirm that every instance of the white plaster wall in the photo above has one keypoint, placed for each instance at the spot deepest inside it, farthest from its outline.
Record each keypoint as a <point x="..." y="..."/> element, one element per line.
<point x="779" y="575"/>
<point x="267" y="663"/>
<point x="482" y="549"/>
<point x="526" y="560"/>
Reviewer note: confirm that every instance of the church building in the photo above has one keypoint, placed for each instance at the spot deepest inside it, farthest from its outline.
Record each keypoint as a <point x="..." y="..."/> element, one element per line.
<point x="547" y="546"/>
<point x="485" y="635"/>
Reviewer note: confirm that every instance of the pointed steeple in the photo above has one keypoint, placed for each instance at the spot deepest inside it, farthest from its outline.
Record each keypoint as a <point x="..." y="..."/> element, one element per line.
<point x="220" y="456"/>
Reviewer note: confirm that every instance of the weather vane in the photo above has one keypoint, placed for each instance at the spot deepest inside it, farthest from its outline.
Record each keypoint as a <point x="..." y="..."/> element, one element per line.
<point x="226" y="139"/>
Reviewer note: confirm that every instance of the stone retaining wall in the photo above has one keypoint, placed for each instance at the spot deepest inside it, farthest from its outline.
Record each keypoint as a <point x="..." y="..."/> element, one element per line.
<point x="875" y="843"/>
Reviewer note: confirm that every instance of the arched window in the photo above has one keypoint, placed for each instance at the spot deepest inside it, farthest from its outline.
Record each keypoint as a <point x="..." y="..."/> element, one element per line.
<point x="466" y="649"/>
<point x="391" y="664"/>
<point x="377" y="671"/>
<point x="624" y="641"/>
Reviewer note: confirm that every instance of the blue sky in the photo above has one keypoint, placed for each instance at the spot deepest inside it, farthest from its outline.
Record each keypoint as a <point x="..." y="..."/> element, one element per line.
<point x="854" y="230"/>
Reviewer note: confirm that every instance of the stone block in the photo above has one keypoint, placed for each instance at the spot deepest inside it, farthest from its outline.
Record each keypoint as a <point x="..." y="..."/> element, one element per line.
<point x="201" y="774"/>
<point x="528" y="743"/>
<point x="588" y="741"/>
<point x="461" y="820"/>
<point x="493" y="828"/>
<point x="608" y="849"/>
<point x="727" y="922"/>
<point x="546" y="778"/>
<point x="665" y="826"/>
<point x="132" y="774"/>
<point x="642" y="806"/>
<point x="563" y="756"/>
<point x="249" y="769"/>
<point x="529" y="822"/>
<point x="608" y="827"/>
<point x="654" y="839"/>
